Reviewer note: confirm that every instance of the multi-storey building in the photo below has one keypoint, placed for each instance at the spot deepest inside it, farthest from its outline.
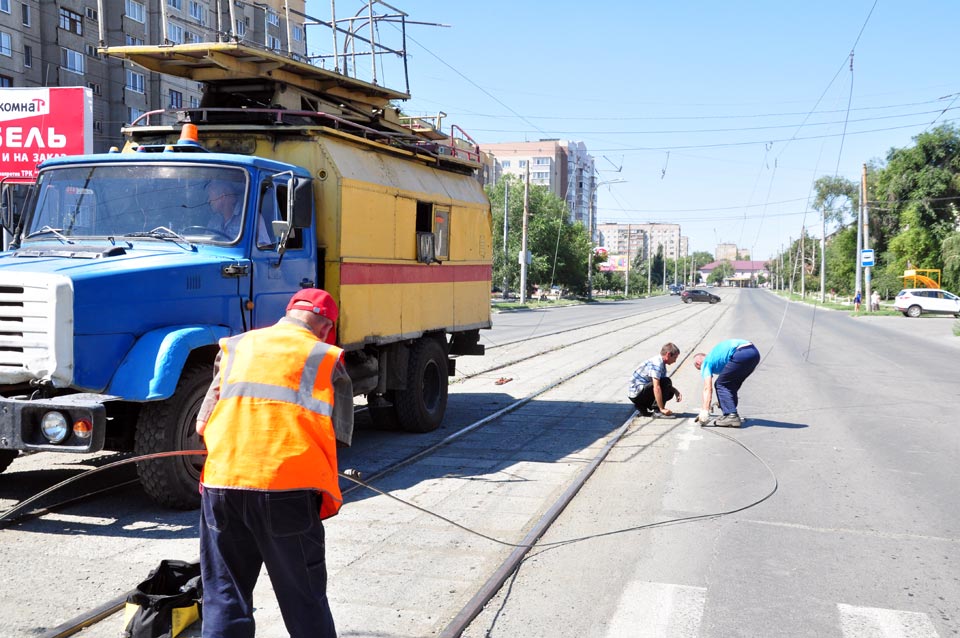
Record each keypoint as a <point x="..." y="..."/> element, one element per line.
<point x="643" y="240"/>
<point x="54" y="43"/>
<point x="566" y="168"/>
<point x="726" y="252"/>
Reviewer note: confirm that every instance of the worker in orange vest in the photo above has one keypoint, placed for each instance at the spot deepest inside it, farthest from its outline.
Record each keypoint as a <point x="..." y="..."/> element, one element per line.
<point x="279" y="403"/>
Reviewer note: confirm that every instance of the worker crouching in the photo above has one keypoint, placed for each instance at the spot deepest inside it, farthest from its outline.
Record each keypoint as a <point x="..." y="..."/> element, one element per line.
<point x="279" y="401"/>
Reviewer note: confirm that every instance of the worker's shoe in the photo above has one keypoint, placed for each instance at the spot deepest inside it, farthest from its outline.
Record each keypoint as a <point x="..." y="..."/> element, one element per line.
<point x="731" y="420"/>
<point x="644" y="411"/>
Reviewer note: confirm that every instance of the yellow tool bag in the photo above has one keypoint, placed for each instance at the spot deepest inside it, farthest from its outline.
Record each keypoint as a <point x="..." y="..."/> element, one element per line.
<point x="166" y="603"/>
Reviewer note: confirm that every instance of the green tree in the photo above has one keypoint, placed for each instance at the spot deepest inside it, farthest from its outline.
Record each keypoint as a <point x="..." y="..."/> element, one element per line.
<point x="721" y="272"/>
<point x="915" y="201"/>
<point x="842" y="260"/>
<point x="559" y="248"/>
<point x="951" y="261"/>
<point x="656" y="275"/>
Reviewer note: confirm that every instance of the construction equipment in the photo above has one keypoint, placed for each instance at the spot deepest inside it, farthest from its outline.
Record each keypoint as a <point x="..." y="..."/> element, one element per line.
<point x="117" y="289"/>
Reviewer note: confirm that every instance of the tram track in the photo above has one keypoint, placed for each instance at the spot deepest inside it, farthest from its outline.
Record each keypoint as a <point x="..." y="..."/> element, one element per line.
<point x="562" y="346"/>
<point x="100" y="613"/>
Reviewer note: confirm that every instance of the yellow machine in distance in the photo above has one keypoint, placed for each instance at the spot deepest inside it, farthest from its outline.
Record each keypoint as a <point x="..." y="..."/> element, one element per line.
<point x="921" y="278"/>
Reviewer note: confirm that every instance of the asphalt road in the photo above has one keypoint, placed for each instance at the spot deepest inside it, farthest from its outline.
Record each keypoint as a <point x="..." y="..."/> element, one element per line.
<point x="849" y="478"/>
<point x="850" y="419"/>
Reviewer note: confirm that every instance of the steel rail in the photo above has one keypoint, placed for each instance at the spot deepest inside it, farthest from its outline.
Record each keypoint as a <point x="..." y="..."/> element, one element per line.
<point x="510" y="408"/>
<point x="493" y="583"/>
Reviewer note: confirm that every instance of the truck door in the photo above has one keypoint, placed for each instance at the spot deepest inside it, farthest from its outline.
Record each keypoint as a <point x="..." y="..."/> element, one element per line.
<point x="276" y="278"/>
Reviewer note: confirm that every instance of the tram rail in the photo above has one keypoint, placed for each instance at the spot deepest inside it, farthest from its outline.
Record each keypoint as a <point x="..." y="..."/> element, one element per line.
<point x="102" y="612"/>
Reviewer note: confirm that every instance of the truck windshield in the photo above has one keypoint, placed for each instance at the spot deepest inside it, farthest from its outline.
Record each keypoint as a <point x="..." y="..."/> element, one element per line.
<point x="202" y="203"/>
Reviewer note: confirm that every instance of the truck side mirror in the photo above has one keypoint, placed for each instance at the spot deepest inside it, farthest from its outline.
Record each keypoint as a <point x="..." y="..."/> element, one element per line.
<point x="7" y="210"/>
<point x="300" y="202"/>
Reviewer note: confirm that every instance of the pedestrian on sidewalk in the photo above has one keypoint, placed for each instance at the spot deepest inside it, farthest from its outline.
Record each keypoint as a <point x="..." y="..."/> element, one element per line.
<point x="651" y="388"/>
<point x="875" y="301"/>
<point x="856" y="302"/>
<point x="732" y="361"/>
<point x="279" y="403"/>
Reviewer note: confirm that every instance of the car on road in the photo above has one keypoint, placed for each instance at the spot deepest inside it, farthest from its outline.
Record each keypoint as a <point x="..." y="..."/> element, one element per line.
<point x="695" y="294"/>
<point x="676" y="289"/>
<point x="913" y="302"/>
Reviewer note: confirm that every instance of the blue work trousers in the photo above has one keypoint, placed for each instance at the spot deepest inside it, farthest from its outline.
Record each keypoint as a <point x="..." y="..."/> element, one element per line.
<point x="741" y="364"/>
<point x="241" y="530"/>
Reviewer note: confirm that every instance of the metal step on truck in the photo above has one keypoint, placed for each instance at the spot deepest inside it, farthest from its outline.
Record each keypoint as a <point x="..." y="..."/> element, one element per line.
<point x="122" y="275"/>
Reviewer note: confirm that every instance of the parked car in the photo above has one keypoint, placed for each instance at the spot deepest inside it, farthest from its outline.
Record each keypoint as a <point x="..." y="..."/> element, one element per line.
<point x="695" y="294"/>
<point x="913" y="302"/>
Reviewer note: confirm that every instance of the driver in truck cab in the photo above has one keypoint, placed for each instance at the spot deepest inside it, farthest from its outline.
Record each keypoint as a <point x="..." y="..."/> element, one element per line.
<point x="225" y="198"/>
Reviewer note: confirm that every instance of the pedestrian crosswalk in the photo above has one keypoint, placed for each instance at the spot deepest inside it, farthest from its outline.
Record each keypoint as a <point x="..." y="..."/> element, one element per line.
<point x="652" y="610"/>
<point x="658" y="610"/>
<point x="867" y="622"/>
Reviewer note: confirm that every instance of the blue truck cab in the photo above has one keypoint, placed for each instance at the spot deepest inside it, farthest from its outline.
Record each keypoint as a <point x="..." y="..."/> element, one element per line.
<point x="124" y="272"/>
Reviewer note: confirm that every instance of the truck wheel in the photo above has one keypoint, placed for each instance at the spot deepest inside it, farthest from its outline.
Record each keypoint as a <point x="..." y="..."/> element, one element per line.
<point x="421" y="406"/>
<point x="6" y="458"/>
<point x="170" y="425"/>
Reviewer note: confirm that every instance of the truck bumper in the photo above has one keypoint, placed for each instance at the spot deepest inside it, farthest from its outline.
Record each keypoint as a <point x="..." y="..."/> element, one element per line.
<point x="20" y="423"/>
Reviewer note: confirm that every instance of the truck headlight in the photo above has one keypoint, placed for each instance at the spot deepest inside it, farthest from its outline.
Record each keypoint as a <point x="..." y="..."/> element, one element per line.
<point x="54" y="427"/>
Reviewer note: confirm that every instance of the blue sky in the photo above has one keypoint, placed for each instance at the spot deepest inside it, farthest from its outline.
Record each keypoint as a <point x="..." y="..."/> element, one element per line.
<point x="718" y="116"/>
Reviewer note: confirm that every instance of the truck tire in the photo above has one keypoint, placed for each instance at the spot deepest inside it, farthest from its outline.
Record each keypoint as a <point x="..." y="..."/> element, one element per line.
<point x="420" y="407"/>
<point x="170" y="425"/>
<point x="6" y="458"/>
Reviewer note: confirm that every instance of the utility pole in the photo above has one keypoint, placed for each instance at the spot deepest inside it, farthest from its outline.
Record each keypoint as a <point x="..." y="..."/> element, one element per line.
<point x="593" y="193"/>
<point x="676" y="261"/>
<point x="663" y="248"/>
<point x="506" y="249"/>
<point x="858" y="280"/>
<point x="823" y="254"/>
<point x="649" y="263"/>
<point x="626" y="281"/>
<point x="866" y="242"/>
<point x="803" y="265"/>
<point x="523" y="242"/>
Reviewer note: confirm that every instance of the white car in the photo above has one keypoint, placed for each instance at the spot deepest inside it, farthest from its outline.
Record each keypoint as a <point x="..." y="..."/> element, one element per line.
<point x="913" y="302"/>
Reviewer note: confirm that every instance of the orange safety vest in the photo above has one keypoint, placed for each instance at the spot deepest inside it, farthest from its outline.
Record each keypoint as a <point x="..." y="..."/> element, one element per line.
<point x="272" y="427"/>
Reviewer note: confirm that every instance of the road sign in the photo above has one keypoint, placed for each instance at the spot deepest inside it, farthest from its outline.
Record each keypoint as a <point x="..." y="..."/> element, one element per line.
<point x="866" y="257"/>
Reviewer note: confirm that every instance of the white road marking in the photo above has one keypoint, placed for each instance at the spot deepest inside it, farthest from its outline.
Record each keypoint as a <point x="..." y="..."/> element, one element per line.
<point x="690" y="434"/>
<point x="873" y="622"/>
<point x="652" y="610"/>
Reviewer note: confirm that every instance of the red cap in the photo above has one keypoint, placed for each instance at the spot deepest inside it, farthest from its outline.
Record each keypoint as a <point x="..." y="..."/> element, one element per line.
<point x="316" y="301"/>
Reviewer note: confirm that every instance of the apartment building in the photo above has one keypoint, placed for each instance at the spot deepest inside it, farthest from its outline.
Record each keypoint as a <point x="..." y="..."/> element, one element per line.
<point x="566" y="168"/>
<point x="54" y="43"/>
<point x="643" y="240"/>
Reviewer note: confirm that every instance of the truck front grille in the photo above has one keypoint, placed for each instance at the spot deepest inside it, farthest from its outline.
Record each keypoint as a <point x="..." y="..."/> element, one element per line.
<point x="36" y="328"/>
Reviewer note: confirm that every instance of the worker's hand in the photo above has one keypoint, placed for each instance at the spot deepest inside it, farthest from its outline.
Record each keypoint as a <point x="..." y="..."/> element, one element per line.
<point x="666" y="412"/>
<point x="703" y="417"/>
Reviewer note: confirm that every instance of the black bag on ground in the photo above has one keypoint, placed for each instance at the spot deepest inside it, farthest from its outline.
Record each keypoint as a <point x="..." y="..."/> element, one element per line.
<point x="166" y="603"/>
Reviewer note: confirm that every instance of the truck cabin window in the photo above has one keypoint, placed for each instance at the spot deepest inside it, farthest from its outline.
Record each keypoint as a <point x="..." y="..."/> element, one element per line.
<point x="206" y="204"/>
<point x="273" y="207"/>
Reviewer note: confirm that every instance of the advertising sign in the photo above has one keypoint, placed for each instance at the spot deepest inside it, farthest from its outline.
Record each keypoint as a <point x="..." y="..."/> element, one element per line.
<point x="614" y="263"/>
<point x="39" y="123"/>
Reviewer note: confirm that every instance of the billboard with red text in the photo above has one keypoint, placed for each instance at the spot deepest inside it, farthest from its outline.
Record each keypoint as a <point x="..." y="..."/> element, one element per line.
<point x="39" y="123"/>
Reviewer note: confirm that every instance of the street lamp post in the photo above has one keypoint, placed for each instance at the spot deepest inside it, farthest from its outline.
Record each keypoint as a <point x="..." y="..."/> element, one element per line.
<point x="590" y="216"/>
